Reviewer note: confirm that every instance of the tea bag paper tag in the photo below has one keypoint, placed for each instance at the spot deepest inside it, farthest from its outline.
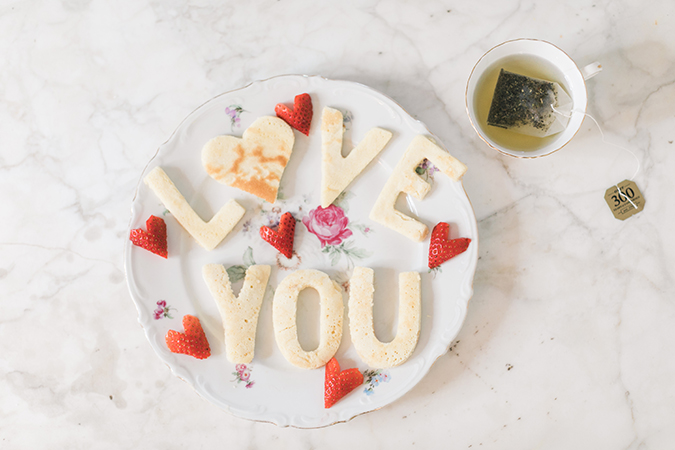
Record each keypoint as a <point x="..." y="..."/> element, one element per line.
<point x="624" y="199"/>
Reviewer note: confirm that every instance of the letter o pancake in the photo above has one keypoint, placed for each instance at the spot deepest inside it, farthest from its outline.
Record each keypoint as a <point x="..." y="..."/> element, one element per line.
<point x="284" y="313"/>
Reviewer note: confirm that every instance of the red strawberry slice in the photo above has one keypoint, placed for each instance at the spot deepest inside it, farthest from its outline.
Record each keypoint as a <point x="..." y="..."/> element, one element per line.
<point x="300" y="117"/>
<point x="154" y="239"/>
<point x="332" y="369"/>
<point x="193" y="342"/>
<point x="441" y="249"/>
<point x="338" y="384"/>
<point x="283" y="238"/>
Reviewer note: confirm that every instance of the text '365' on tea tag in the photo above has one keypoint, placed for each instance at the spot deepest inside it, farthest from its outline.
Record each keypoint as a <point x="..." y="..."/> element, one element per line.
<point x="624" y="199"/>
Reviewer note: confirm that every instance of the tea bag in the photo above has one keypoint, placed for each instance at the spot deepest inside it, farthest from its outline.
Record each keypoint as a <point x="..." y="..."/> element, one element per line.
<point x="529" y="105"/>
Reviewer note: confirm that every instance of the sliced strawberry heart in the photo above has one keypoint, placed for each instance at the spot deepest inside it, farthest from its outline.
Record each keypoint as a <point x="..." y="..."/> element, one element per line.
<point x="332" y="369"/>
<point x="193" y="342"/>
<point x="338" y="384"/>
<point x="154" y="239"/>
<point x="441" y="249"/>
<point x="283" y="238"/>
<point x="300" y="117"/>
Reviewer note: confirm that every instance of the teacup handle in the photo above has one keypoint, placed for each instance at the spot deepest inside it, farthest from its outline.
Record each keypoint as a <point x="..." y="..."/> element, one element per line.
<point x="591" y="70"/>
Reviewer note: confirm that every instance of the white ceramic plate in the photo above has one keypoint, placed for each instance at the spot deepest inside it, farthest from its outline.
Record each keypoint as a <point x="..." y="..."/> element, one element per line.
<point x="271" y="389"/>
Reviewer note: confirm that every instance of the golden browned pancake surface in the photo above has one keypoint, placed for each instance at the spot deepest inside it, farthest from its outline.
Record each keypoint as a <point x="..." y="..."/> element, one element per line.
<point x="255" y="162"/>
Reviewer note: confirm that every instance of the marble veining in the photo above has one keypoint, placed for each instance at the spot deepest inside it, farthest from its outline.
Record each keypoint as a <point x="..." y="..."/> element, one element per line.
<point x="569" y="337"/>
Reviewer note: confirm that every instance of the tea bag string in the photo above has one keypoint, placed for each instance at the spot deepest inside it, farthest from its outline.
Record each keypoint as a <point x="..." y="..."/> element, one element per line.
<point x="602" y="134"/>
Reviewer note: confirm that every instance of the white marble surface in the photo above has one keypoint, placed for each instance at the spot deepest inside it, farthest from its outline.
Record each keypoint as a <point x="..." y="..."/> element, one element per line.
<point x="570" y="336"/>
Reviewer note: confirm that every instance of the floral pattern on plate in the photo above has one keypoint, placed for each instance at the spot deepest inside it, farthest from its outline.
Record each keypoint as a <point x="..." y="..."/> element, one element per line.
<point x="373" y="378"/>
<point x="162" y="310"/>
<point x="234" y="113"/>
<point x="238" y="272"/>
<point x="242" y="374"/>
<point x="426" y="171"/>
<point x="333" y="229"/>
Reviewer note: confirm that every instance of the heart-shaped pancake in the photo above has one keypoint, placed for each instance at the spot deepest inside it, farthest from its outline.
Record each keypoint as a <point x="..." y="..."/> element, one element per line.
<point x="255" y="162"/>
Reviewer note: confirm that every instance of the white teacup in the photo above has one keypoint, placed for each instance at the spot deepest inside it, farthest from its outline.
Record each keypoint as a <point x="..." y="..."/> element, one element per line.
<point x="570" y="77"/>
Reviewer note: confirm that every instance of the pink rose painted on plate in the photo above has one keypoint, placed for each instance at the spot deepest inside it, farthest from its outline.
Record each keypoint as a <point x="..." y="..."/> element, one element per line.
<point x="328" y="224"/>
<point x="335" y="232"/>
<point x="243" y="375"/>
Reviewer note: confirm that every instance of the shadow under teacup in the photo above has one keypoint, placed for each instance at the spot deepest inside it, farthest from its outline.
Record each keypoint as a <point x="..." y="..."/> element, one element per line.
<point x="536" y="59"/>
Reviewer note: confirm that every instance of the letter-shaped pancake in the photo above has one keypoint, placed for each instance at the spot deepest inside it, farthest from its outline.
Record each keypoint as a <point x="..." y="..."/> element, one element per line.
<point x="239" y="314"/>
<point x="405" y="179"/>
<point x="337" y="172"/>
<point x="208" y="234"/>
<point x="374" y="352"/>
<point x="284" y="317"/>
